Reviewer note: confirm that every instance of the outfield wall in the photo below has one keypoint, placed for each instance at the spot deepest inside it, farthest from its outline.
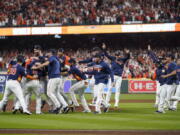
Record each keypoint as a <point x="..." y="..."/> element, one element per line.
<point x="128" y="86"/>
<point x="90" y="29"/>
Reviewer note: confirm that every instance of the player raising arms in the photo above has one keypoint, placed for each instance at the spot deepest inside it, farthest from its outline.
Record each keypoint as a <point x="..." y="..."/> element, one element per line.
<point x="160" y="63"/>
<point x="16" y="71"/>
<point x="117" y="67"/>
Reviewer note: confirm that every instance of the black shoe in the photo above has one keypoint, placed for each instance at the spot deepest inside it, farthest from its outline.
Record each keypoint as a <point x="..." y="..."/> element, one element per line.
<point x="72" y="107"/>
<point x="56" y="111"/>
<point x="106" y="109"/>
<point x="15" y="111"/>
<point x="66" y="110"/>
<point x="50" y="111"/>
<point x="43" y="104"/>
<point x="172" y="109"/>
<point x="20" y="110"/>
<point x="160" y="112"/>
<point x="4" y="107"/>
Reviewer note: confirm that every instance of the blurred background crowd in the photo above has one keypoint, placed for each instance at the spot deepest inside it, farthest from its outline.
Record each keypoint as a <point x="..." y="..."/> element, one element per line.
<point x="140" y="65"/>
<point x="86" y="12"/>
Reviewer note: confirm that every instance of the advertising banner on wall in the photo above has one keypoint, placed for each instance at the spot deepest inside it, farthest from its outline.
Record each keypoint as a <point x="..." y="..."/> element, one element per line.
<point x="142" y="86"/>
<point x="2" y="82"/>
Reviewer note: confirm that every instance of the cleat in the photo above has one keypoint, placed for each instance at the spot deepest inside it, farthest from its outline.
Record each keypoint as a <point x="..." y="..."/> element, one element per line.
<point x="66" y="110"/>
<point x="86" y="111"/>
<point x="50" y="111"/>
<point x="172" y="109"/>
<point x="4" y="107"/>
<point x="15" y="111"/>
<point x="43" y="104"/>
<point x="72" y="109"/>
<point x="159" y="112"/>
<point x="106" y="109"/>
<point x="56" y="111"/>
<point x="27" y="113"/>
<point x="20" y="110"/>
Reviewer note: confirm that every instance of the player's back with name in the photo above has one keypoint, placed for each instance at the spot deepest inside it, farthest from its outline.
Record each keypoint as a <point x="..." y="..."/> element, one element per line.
<point x="15" y="71"/>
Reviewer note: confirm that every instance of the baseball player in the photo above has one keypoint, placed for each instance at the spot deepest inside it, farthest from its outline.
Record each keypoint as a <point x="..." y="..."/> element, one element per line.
<point x="15" y="73"/>
<point x="80" y="86"/>
<point x="171" y="80"/>
<point x="160" y="63"/>
<point x="64" y="62"/>
<point x="117" y="67"/>
<point x="176" y="97"/>
<point x="54" y="82"/>
<point x="89" y="61"/>
<point x="38" y="55"/>
<point x="101" y="73"/>
<point x="33" y="85"/>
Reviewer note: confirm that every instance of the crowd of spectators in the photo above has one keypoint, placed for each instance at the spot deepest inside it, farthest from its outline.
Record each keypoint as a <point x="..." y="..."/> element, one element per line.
<point x="85" y="12"/>
<point x="140" y="65"/>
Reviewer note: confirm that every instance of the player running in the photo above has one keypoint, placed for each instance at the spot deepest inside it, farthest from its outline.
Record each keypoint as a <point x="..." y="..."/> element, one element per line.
<point x="16" y="71"/>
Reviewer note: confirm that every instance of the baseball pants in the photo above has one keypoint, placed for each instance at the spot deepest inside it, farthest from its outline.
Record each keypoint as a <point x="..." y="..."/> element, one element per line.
<point x="79" y="87"/>
<point x="13" y="86"/>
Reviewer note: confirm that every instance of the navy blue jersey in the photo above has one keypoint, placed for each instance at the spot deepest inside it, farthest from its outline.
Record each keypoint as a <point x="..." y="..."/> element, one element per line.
<point x="31" y="72"/>
<point x="172" y="79"/>
<point x="178" y="72"/>
<point x="16" y="72"/>
<point x="77" y="74"/>
<point x="159" y="72"/>
<point x="117" y="65"/>
<point x="54" y="67"/>
<point x="101" y="73"/>
<point x="44" y="70"/>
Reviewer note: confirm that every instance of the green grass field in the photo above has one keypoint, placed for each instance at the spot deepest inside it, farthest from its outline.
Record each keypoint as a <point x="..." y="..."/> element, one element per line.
<point x="132" y="116"/>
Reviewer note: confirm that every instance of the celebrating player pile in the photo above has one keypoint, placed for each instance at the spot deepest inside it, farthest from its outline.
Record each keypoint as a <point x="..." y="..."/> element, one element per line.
<point x="50" y="70"/>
